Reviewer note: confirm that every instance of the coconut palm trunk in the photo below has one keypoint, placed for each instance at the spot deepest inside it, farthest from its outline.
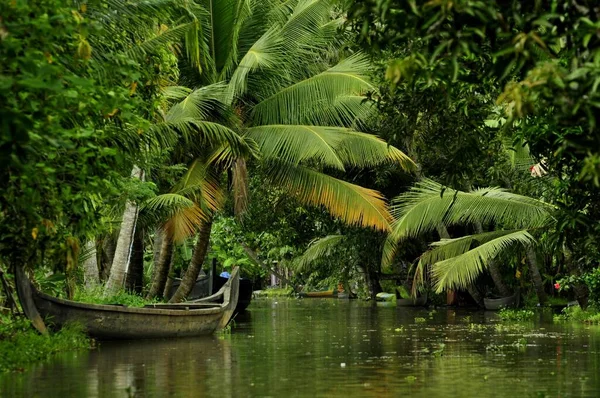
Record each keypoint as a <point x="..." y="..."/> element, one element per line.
<point x="169" y="281"/>
<point x="536" y="277"/>
<point x="161" y="268"/>
<point x="91" y="274"/>
<point x="135" y="274"/>
<point x="106" y="257"/>
<point x="191" y="274"/>
<point x="118" y="270"/>
<point x="157" y="244"/>
<point x="581" y="290"/>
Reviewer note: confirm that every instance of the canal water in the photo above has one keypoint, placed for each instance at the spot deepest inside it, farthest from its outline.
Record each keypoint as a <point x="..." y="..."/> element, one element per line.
<point x="336" y="348"/>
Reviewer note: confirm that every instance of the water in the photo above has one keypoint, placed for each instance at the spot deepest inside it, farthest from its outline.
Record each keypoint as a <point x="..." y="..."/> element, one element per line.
<point x="336" y="348"/>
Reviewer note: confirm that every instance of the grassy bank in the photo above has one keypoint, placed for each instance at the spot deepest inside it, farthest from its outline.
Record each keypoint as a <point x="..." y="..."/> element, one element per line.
<point x="590" y="315"/>
<point x="22" y="346"/>
<point x="274" y="292"/>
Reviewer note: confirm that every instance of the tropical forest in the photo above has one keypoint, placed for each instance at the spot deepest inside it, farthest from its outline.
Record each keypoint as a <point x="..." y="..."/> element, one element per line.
<point x="308" y="198"/>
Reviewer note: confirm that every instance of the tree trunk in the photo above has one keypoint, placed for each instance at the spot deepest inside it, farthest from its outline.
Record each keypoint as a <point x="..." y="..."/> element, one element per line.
<point x="581" y="290"/>
<point x="495" y="270"/>
<point x="191" y="274"/>
<point x="91" y="274"/>
<point x="170" y="276"/>
<point x="475" y="295"/>
<point x="106" y="259"/>
<point x="161" y="268"/>
<point x="536" y="277"/>
<point x="118" y="270"/>
<point x="135" y="274"/>
<point x="158" y="238"/>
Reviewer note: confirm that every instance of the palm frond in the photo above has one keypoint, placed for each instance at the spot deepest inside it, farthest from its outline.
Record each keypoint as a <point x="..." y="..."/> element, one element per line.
<point x="184" y="223"/>
<point x="266" y="52"/>
<point x="317" y="250"/>
<point x="367" y="150"/>
<point x="198" y="134"/>
<point x="429" y="204"/>
<point x="351" y="203"/>
<point x="448" y="248"/>
<point x="297" y="143"/>
<point x="331" y="146"/>
<point x="201" y="184"/>
<point x="203" y="103"/>
<point x="344" y="110"/>
<point x="460" y="271"/>
<point x="348" y="77"/>
<point x="161" y="40"/>
<point x="306" y="20"/>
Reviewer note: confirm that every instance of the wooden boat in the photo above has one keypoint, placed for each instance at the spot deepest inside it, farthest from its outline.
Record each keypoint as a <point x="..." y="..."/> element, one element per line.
<point x="385" y="296"/>
<point x="201" y="288"/>
<point x="245" y="292"/>
<point x="495" y="304"/>
<point x="324" y="293"/>
<point x="121" y="322"/>
<point x="412" y="302"/>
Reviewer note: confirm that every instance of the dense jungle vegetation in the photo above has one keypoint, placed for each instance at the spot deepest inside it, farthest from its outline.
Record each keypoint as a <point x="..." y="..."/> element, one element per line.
<point x="441" y="146"/>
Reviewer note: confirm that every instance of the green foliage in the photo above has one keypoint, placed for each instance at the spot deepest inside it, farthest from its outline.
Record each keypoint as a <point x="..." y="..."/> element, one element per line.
<point x="96" y="296"/>
<point x="484" y="73"/>
<point x="75" y="110"/>
<point x="577" y="314"/>
<point x="511" y="315"/>
<point x="21" y="345"/>
<point x="226" y="247"/>
<point x="590" y="279"/>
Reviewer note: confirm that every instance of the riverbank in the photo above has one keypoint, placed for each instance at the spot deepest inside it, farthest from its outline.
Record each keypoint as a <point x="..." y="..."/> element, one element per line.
<point x="577" y="314"/>
<point x="274" y="292"/>
<point x="21" y="346"/>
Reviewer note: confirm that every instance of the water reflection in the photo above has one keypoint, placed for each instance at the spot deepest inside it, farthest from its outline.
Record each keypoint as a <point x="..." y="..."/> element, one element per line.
<point x="336" y="348"/>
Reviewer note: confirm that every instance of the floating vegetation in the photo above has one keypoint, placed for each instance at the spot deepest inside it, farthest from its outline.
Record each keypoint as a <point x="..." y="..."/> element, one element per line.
<point x="510" y="315"/>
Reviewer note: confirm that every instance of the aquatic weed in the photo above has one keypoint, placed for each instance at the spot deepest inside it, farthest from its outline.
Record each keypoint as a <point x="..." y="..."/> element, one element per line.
<point x="21" y="345"/>
<point x="510" y="315"/>
<point x="576" y="313"/>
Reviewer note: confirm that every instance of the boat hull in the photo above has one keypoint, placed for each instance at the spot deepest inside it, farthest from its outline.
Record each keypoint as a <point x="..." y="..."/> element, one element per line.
<point x="417" y="302"/>
<point x="117" y="322"/>
<point x="121" y="322"/>
<point x="498" y="304"/>
<point x="326" y="293"/>
<point x="245" y="292"/>
<point x="385" y="297"/>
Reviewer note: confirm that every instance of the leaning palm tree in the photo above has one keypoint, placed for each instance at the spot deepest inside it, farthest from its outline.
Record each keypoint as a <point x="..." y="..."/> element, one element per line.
<point x="146" y="30"/>
<point x="456" y="263"/>
<point x="295" y="97"/>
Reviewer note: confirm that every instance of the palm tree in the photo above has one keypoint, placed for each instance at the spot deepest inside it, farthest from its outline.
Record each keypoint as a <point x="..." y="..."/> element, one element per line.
<point x="456" y="263"/>
<point x="293" y="96"/>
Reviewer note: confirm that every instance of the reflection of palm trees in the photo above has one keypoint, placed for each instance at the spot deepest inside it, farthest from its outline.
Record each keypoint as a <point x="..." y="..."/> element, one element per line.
<point x="177" y="367"/>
